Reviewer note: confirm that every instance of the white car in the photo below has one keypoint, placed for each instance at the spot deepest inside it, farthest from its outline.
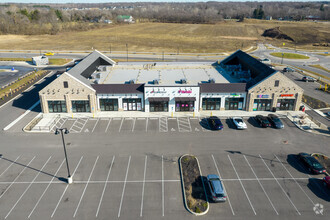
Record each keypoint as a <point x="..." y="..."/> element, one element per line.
<point x="239" y="123"/>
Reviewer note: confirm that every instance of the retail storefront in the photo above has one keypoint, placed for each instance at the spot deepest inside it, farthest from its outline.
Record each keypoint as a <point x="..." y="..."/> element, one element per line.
<point x="57" y="106"/>
<point x="159" y="104"/>
<point x="171" y="98"/>
<point x="185" y="104"/>
<point x="107" y="104"/>
<point x="262" y="103"/>
<point x="234" y="103"/>
<point x="80" y="106"/>
<point x="132" y="104"/>
<point x="285" y="102"/>
<point x="211" y="103"/>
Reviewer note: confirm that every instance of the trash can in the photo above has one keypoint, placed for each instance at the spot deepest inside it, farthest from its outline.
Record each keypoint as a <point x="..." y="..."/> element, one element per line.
<point x="274" y="109"/>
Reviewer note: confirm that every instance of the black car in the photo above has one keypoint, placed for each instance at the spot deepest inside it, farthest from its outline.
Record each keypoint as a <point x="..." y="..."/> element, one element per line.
<point x="275" y="121"/>
<point x="214" y="123"/>
<point x="311" y="163"/>
<point x="288" y="69"/>
<point x="263" y="121"/>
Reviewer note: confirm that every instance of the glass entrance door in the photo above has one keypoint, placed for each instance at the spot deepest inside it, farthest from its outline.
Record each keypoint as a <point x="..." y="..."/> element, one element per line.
<point x="131" y="104"/>
<point x="184" y="106"/>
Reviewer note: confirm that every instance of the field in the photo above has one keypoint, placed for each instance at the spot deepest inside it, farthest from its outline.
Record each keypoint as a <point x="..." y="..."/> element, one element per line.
<point x="52" y="61"/>
<point x="226" y="36"/>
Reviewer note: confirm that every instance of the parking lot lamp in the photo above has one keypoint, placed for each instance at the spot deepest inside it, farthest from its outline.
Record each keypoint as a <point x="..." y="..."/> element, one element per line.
<point x="66" y="131"/>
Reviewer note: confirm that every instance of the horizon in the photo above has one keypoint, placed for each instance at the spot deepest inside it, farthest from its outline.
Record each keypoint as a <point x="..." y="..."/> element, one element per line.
<point x="134" y="1"/>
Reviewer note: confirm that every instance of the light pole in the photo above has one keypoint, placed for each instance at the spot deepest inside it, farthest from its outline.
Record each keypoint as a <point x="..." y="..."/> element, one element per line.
<point x="126" y="52"/>
<point x="282" y="58"/>
<point x="66" y="131"/>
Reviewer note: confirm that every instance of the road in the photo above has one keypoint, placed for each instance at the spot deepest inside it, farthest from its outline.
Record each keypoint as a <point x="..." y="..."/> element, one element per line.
<point x="264" y="52"/>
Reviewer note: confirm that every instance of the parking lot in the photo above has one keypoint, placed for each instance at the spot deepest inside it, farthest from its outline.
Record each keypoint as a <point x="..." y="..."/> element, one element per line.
<point x="148" y="186"/>
<point x="148" y="125"/>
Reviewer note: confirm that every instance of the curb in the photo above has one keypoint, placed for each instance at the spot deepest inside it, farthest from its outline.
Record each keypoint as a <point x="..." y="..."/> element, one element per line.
<point x="184" y="192"/>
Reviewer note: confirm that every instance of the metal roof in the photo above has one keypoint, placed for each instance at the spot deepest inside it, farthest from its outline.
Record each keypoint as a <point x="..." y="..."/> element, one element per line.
<point x="222" y="87"/>
<point x="84" y="69"/>
<point x="259" y="71"/>
<point x="118" y="88"/>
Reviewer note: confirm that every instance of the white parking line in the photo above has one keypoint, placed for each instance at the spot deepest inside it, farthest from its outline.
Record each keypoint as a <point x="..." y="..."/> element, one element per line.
<point x="144" y="181"/>
<point x="242" y="185"/>
<point x="105" y="186"/>
<point x="110" y="119"/>
<point x="216" y="166"/>
<point x="35" y="206"/>
<point x="9" y="166"/>
<point x="133" y="124"/>
<point x="280" y="185"/>
<point x="163" y="195"/>
<point x="309" y="177"/>
<point x="261" y="184"/>
<point x="82" y="195"/>
<point x="121" y="124"/>
<point x="95" y="125"/>
<point x="16" y="178"/>
<point x="73" y="124"/>
<point x="122" y="194"/>
<point x="66" y="188"/>
<point x="27" y="188"/>
<point x="295" y="181"/>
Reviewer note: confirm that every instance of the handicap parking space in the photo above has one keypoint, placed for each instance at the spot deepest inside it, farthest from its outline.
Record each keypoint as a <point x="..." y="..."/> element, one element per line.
<point x="173" y="125"/>
<point x="152" y="125"/>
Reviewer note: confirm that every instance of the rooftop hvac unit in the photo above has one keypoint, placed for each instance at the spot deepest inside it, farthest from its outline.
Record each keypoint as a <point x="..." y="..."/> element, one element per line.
<point x="156" y="81"/>
<point x="131" y="81"/>
<point x="97" y="81"/>
<point x="98" y="75"/>
<point x="211" y="80"/>
<point x="183" y="81"/>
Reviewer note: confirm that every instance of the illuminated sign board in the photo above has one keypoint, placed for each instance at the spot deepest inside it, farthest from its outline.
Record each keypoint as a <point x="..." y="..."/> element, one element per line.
<point x="185" y="91"/>
<point x="263" y="96"/>
<point x="287" y="95"/>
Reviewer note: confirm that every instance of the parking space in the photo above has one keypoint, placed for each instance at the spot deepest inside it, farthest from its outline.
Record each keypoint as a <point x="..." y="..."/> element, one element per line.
<point x="149" y="186"/>
<point x="164" y="125"/>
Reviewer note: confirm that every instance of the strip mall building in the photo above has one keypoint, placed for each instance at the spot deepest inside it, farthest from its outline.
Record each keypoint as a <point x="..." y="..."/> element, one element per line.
<point x="239" y="82"/>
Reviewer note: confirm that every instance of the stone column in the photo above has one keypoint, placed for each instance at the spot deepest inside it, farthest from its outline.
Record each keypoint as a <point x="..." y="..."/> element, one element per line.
<point x="68" y="103"/>
<point x="43" y="104"/>
<point x="298" y="101"/>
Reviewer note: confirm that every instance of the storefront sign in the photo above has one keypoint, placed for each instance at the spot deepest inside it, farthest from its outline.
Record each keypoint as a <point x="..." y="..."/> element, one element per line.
<point x="263" y="96"/>
<point x="287" y="95"/>
<point x="185" y="91"/>
<point x="153" y="91"/>
<point x="234" y="94"/>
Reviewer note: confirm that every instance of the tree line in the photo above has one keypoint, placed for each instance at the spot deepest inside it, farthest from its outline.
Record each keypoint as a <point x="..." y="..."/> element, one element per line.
<point x="53" y="18"/>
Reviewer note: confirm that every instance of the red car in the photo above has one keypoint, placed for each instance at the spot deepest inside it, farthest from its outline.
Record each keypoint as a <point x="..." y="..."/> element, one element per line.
<point x="326" y="181"/>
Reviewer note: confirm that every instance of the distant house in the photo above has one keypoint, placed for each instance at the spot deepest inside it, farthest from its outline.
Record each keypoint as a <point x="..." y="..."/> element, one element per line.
<point x="40" y="60"/>
<point x="312" y="18"/>
<point x="107" y="21"/>
<point x="125" y="18"/>
<point x="269" y="18"/>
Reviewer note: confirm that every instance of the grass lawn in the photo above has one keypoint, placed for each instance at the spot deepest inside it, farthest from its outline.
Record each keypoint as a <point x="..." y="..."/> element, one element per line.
<point x="320" y="67"/>
<point x="289" y="55"/>
<point x="225" y="36"/>
<point x="58" y="61"/>
<point x="324" y="54"/>
<point x="20" y="82"/>
<point x="52" y="61"/>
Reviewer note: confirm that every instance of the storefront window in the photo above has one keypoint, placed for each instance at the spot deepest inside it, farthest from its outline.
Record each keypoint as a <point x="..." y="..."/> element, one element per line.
<point x="80" y="106"/>
<point x="234" y="103"/>
<point x="132" y="105"/>
<point x="262" y="104"/>
<point x="161" y="106"/>
<point x="211" y="103"/>
<point x="184" y="106"/>
<point x="285" y="104"/>
<point x="109" y="104"/>
<point x="56" y="106"/>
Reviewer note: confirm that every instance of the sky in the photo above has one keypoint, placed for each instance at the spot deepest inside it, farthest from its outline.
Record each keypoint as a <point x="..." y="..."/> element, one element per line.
<point x="114" y="1"/>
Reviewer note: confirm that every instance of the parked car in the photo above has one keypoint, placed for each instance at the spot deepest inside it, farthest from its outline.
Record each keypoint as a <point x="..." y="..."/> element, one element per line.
<point x="326" y="181"/>
<point x="266" y="61"/>
<point x="49" y="54"/>
<point x="275" y="121"/>
<point x="288" y="69"/>
<point x="216" y="188"/>
<point x="308" y="79"/>
<point x="263" y="121"/>
<point x="311" y="163"/>
<point x="239" y="123"/>
<point x="214" y="123"/>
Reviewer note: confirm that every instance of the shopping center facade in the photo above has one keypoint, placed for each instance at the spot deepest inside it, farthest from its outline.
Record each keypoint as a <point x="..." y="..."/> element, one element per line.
<point x="239" y="82"/>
